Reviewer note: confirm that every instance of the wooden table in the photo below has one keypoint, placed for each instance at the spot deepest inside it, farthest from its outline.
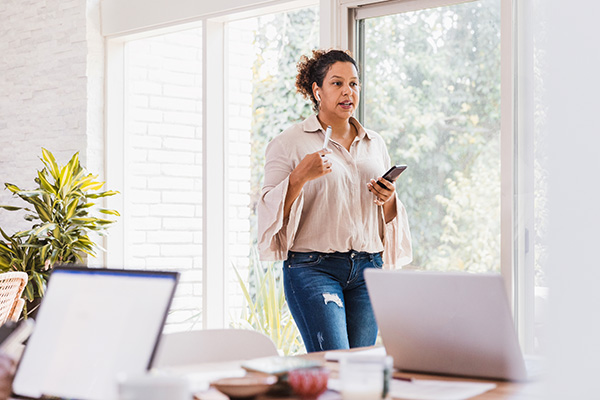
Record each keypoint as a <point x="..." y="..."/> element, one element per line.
<point x="503" y="391"/>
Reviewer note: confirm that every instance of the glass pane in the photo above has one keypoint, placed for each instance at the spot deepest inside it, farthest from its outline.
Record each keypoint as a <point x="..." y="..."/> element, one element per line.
<point x="262" y="54"/>
<point x="431" y="87"/>
<point x="163" y="159"/>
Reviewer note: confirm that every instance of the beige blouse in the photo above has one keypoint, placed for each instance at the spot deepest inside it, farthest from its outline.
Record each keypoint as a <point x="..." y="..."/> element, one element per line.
<point x="335" y="212"/>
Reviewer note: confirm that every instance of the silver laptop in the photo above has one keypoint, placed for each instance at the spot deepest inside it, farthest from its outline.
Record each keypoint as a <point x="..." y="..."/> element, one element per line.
<point x="93" y="324"/>
<point x="446" y="323"/>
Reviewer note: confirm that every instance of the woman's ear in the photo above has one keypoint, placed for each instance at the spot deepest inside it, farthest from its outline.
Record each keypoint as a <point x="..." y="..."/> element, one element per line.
<point x="315" y="89"/>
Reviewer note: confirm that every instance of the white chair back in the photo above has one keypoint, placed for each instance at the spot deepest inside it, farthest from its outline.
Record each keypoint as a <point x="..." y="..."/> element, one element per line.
<point x="12" y="285"/>
<point x="212" y="345"/>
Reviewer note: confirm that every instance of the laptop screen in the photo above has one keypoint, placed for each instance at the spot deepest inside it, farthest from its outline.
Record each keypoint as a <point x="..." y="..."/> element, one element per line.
<point x="92" y="325"/>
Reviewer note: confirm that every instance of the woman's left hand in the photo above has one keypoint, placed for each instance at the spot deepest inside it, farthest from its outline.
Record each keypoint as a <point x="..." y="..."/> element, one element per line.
<point x="382" y="195"/>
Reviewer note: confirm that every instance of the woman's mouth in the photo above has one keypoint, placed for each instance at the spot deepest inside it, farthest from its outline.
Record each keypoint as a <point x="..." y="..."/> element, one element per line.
<point x="346" y="104"/>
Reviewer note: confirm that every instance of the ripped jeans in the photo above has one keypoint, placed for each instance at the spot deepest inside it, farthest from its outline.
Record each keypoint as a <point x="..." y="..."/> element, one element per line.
<point x="327" y="296"/>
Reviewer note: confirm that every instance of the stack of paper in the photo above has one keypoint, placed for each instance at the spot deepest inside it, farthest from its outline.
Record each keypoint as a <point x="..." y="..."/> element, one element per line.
<point x="422" y="389"/>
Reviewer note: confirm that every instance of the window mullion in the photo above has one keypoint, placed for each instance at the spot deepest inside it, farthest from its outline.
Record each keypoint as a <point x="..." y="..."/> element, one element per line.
<point x="214" y="177"/>
<point x="115" y="149"/>
<point x="524" y="181"/>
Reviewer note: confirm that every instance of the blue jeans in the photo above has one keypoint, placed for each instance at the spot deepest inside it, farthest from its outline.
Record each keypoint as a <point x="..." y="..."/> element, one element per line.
<point x="327" y="296"/>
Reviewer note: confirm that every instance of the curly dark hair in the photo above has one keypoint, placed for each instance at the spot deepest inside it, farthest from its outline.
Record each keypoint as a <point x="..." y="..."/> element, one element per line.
<point x="314" y="70"/>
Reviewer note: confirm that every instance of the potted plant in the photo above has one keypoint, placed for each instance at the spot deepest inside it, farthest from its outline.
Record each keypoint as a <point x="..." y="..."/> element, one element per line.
<point x="60" y="211"/>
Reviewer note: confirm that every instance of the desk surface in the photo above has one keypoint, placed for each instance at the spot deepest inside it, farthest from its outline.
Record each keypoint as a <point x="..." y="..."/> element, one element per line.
<point x="503" y="391"/>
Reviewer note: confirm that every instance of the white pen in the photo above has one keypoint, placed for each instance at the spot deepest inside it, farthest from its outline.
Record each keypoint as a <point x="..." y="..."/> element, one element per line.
<point x="327" y="136"/>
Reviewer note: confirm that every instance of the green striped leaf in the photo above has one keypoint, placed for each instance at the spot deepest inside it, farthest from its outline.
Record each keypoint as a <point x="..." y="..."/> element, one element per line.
<point x="44" y="183"/>
<point x="44" y="251"/>
<point x="92" y="186"/>
<point x="43" y="229"/>
<point x="11" y="208"/>
<point x="40" y="282"/>
<point x="50" y="161"/>
<point x="4" y="249"/>
<point x="45" y="215"/>
<point x="111" y="212"/>
<point x="71" y="208"/>
<point x="12" y="188"/>
<point x="28" y="293"/>
<point x="4" y="234"/>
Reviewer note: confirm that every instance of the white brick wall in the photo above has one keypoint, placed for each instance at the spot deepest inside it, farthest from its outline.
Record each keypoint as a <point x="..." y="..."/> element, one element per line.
<point x="163" y="171"/>
<point x="43" y="90"/>
<point x="52" y="87"/>
<point x="163" y="194"/>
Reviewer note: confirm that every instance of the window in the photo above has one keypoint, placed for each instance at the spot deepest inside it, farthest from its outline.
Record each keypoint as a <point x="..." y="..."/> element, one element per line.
<point x="438" y="84"/>
<point x="262" y="101"/>
<point x="188" y="198"/>
<point x="161" y="171"/>
<point x="431" y="87"/>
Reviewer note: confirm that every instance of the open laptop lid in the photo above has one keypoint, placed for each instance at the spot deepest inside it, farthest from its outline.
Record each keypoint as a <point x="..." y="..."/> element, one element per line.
<point x="446" y="323"/>
<point x="93" y="324"/>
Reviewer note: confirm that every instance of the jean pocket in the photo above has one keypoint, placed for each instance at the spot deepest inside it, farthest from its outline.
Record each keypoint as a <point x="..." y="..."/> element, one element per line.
<point x="299" y="260"/>
<point x="377" y="260"/>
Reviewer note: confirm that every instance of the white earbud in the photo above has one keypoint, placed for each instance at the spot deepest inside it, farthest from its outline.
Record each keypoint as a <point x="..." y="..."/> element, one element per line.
<point x="317" y="95"/>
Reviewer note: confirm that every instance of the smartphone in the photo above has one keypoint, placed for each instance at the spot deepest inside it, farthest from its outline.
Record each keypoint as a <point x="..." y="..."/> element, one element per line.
<point x="392" y="174"/>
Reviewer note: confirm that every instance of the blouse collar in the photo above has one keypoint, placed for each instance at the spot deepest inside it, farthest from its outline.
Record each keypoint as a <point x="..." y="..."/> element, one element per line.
<point x="312" y="124"/>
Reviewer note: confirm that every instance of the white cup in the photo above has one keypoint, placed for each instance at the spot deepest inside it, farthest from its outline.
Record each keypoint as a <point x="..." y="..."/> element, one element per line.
<point x="153" y="387"/>
<point x="365" y="377"/>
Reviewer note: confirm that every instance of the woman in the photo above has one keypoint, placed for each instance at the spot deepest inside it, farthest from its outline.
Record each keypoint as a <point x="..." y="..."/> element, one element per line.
<point x="322" y="211"/>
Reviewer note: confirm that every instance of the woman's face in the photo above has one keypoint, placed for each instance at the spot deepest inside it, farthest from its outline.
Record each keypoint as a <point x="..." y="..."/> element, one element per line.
<point x="340" y="91"/>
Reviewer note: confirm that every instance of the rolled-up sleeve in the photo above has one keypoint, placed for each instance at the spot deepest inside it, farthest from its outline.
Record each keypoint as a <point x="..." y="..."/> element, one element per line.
<point x="276" y="234"/>
<point x="397" y="247"/>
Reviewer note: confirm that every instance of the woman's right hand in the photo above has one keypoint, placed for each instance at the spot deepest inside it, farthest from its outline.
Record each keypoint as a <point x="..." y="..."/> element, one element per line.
<point x="312" y="166"/>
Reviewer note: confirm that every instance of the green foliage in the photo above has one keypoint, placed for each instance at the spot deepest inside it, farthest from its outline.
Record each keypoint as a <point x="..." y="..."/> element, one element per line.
<point x="267" y="309"/>
<point x="22" y="254"/>
<point x="59" y="208"/>
<point x="431" y="87"/>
